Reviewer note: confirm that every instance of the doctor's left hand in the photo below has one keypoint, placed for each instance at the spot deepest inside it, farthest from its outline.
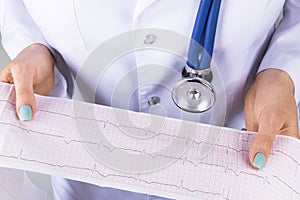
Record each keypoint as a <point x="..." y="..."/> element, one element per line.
<point x="270" y="109"/>
<point x="32" y="71"/>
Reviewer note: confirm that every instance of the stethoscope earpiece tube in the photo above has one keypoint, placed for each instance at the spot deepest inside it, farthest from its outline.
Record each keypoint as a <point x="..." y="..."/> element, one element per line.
<point x="209" y="36"/>
<point x="198" y="30"/>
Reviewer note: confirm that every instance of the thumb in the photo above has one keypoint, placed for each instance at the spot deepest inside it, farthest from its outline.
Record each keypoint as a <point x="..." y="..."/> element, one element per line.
<point x="25" y="100"/>
<point x="262" y="144"/>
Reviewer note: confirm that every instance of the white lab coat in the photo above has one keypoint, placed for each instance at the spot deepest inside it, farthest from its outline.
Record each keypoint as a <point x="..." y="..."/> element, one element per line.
<point x="245" y="44"/>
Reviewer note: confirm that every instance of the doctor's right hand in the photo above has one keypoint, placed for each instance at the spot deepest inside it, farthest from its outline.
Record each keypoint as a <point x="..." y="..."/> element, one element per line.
<point x="31" y="71"/>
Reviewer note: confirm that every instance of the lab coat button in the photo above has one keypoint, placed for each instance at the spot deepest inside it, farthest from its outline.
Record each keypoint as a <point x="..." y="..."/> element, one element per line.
<point x="150" y="39"/>
<point x="153" y="100"/>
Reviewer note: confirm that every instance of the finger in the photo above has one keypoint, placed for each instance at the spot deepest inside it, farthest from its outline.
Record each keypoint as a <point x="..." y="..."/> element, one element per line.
<point x="5" y="75"/>
<point x="25" y="100"/>
<point x="290" y="128"/>
<point x="269" y="126"/>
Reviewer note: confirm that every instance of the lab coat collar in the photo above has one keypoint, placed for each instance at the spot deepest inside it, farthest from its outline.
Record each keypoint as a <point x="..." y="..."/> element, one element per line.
<point x="141" y="5"/>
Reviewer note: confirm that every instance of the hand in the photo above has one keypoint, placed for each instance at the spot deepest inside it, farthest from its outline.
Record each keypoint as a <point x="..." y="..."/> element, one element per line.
<point x="270" y="109"/>
<point x="32" y="71"/>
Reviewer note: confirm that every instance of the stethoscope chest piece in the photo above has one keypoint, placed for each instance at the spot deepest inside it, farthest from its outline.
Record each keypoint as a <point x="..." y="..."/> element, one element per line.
<point x="193" y="94"/>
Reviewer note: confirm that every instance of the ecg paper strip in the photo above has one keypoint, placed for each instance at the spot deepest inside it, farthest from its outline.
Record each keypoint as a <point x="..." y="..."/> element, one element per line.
<point x="51" y="144"/>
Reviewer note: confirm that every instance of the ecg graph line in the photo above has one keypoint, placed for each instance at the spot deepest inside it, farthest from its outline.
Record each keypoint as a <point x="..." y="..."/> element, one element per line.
<point x="226" y="168"/>
<point x="119" y="127"/>
<point x="94" y="170"/>
<point x="104" y="122"/>
<point x="185" y="159"/>
<point x="180" y="158"/>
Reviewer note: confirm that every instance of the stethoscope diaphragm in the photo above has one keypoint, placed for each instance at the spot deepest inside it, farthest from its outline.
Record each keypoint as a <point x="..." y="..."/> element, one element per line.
<point x="193" y="94"/>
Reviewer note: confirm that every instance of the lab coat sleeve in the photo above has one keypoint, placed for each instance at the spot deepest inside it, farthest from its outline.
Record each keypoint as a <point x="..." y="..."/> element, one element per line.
<point x="18" y="30"/>
<point x="284" y="49"/>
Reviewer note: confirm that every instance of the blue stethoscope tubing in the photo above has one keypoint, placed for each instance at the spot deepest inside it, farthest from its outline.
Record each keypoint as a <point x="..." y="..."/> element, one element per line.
<point x="206" y="19"/>
<point x="195" y="93"/>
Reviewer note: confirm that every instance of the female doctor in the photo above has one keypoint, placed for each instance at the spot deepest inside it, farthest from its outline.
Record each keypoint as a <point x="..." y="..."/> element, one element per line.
<point x="40" y="34"/>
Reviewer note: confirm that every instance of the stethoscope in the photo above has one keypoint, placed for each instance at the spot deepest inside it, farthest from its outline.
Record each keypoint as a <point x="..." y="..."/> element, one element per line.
<point x="195" y="92"/>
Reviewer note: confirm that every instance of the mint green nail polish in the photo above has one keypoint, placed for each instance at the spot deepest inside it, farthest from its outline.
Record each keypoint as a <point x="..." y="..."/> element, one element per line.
<point x="25" y="113"/>
<point x="259" y="160"/>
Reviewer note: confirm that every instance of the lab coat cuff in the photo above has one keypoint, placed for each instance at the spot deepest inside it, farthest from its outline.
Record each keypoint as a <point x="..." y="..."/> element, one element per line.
<point x="13" y="49"/>
<point x="288" y="64"/>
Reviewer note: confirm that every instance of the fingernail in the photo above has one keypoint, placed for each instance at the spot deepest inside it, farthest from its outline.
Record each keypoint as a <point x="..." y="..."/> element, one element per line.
<point x="259" y="160"/>
<point x="25" y="113"/>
